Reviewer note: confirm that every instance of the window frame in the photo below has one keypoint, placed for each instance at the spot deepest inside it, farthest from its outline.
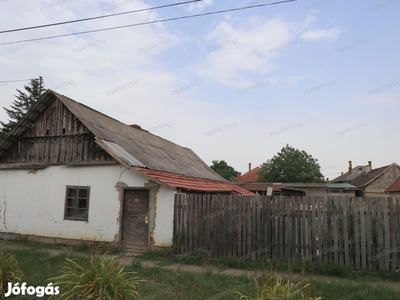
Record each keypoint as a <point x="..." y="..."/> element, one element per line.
<point x="76" y="207"/>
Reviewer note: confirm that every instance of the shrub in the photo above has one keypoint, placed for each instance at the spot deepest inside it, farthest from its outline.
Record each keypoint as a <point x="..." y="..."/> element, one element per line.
<point x="274" y="288"/>
<point x="9" y="271"/>
<point x="102" y="277"/>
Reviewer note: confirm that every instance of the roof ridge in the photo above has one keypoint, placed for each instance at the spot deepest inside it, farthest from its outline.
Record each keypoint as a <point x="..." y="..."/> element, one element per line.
<point x="103" y="114"/>
<point x="92" y="109"/>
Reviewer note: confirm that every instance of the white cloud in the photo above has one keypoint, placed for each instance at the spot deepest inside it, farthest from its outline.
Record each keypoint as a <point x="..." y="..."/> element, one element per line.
<point x="193" y="7"/>
<point x="322" y="34"/>
<point x="247" y="46"/>
<point x="236" y="51"/>
<point x="199" y="6"/>
<point x="379" y="98"/>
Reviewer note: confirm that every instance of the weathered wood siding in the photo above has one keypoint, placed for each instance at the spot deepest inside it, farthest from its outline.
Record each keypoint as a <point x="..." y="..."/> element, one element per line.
<point x="56" y="137"/>
<point x="361" y="233"/>
<point x="385" y="180"/>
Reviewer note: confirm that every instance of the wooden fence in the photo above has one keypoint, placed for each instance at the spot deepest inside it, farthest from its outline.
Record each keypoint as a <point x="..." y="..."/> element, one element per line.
<point x="362" y="233"/>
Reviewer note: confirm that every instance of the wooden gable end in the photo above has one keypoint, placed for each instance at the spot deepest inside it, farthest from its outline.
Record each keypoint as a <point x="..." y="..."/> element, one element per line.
<point x="57" y="137"/>
<point x="386" y="179"/>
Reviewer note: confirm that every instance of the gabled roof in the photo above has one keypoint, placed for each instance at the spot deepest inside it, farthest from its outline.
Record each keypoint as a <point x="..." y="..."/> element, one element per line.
<point x="251" y="176"/>
<point x="192" y="183"/>
<point x="349" y="177"/>
<point x="365" y="178"/>
<point x="394" y="187"/>
<point x="131" y="146"/>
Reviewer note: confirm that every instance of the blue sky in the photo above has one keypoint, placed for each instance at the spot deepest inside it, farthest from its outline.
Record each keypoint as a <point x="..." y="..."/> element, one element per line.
<point x="322" y="76"/>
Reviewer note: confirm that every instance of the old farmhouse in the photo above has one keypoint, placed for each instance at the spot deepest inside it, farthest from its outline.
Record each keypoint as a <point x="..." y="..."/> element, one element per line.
<point x="70" y="173"/>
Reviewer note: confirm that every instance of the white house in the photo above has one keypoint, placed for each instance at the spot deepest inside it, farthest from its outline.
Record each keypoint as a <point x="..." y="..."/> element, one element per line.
<point x="68" y="172"/>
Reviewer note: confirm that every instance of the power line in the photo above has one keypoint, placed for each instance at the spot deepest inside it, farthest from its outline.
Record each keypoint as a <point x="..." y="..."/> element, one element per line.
<point x="98" y="17"/>
<point x="7" y="81"/>
<point x="146" y="23"/>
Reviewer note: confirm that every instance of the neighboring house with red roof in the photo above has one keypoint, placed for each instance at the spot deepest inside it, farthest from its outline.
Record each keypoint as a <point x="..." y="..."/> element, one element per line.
<point x="69" y="172"/>
<point x="249" y="181"/>
<point x="394" y="188"/>
<point x="250" y="176"/>
<point x="368" y="181"/>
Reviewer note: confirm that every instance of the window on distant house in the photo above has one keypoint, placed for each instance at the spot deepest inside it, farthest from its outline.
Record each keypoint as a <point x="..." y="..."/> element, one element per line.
<point x="77" y="203"/>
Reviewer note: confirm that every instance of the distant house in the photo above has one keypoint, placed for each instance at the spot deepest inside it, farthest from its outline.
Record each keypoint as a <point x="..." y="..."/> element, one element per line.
<point x="370" y="182"/>
<point x="299" y="189"/>
<point x="249" y="181"/>
<point x="261" y="188"/>
<point x="69" y="172"/>
<point x="394" y="188"/>
<point x="353" y="173"/>
<point x="325" y="188"/>
<point x="250" y="176"/>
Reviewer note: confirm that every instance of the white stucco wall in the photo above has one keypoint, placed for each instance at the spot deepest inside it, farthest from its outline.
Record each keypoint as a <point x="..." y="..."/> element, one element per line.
<point x="164" y="219"/>
<point x="32" y="203"/>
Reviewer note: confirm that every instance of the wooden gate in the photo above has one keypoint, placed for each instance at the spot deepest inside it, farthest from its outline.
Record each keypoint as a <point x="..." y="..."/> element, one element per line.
<point x="135" y="224"/>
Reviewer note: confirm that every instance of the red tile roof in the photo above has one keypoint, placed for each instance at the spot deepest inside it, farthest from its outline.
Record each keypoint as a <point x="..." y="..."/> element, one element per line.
<point x="251" y="176"/>
<point x="394" y="187"/>
<point x="192" y="183"/>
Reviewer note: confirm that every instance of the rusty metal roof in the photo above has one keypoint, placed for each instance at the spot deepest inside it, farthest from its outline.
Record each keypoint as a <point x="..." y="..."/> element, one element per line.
<point x="192" y="183"/>
<point x="132" y="146"/>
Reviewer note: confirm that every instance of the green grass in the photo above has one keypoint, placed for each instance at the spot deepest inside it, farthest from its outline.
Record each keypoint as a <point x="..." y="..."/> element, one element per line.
<point x="163" y="284"/>
<point x="306" y="268"/>
<point x="167" y="284"/>
<point x="39" y="265"/>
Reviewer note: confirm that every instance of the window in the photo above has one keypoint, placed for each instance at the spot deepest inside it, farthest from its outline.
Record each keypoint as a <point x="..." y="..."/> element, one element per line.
<point x="77" y="203"/>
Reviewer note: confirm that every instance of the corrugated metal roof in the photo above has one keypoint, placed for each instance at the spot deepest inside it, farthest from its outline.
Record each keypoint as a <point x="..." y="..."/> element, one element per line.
<point x="191" y="183"/>
<point x="330" y="185"/>
<point x="116" y="151"/>
<point x="304" y="185"/>
<point x="258" y="186"/>
<point x="132" y="145"/>
<point x="347" y="186"/>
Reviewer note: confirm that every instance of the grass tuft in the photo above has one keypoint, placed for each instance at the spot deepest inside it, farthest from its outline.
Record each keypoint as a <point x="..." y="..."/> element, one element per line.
<point x="9" y="271"/>
<point x="99" y="278"/>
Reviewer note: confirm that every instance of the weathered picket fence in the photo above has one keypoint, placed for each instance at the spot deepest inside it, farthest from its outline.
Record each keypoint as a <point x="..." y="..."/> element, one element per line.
<point x="362" y="233"/>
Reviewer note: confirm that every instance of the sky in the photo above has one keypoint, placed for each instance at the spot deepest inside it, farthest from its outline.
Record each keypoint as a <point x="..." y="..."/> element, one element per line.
<point x="322" y="75"/>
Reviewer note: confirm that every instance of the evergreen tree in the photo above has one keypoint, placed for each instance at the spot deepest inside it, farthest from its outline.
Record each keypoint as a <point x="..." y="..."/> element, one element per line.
<point x="23" y="102"/>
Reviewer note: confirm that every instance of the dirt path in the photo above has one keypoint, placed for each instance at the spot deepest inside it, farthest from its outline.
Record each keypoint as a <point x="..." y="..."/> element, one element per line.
<point x="239" y="272"/>
<point x="127" y="260"/>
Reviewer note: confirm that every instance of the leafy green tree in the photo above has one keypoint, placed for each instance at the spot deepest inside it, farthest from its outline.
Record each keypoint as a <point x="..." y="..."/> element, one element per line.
<point x="223" y="169"/>
<point x="291" y="165"/>
<point x="23" y="102"/>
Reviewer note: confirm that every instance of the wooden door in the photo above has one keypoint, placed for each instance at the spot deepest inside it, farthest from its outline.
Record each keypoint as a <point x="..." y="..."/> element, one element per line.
<point x="135" y="226"/>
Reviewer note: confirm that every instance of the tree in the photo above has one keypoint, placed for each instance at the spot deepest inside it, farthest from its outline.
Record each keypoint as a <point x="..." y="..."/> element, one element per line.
<point x="25" y="100"/>
<point x="223" y="169"/>
<point x="291" y="165"/>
